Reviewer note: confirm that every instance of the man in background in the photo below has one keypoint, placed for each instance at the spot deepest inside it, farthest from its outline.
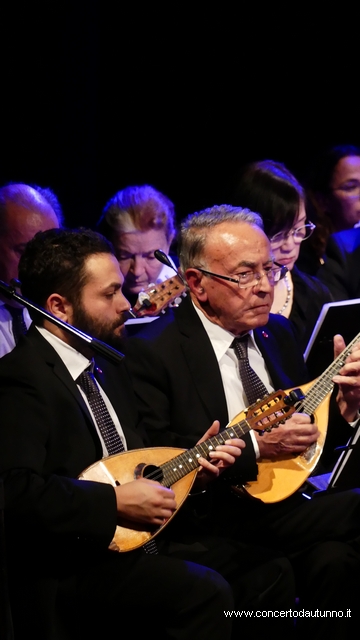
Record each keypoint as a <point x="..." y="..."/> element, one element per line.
<point x="24" y="210"/>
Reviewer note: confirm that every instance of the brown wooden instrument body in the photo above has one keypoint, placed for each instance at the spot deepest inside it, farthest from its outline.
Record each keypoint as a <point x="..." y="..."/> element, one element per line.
<point x="178" y="467"/>
<point x="280" y="478"/>
<point x="127" y="466"/>
<point x="277" y="479"/>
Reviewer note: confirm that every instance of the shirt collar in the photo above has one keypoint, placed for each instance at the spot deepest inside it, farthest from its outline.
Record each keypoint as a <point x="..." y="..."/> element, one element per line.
<point x="220" y="338"/>
<point x="73" y="360"/>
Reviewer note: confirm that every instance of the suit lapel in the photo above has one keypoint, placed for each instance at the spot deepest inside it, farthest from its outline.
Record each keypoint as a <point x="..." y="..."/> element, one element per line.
<point x="58" y="368"/>
<point x="113" y="379"/>
<point x="202" y="362"/>
<point x="204" y="368"/>
<point x="268" y="344"/>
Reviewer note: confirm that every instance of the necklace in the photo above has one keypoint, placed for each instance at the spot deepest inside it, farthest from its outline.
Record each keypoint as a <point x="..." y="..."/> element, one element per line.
<point x="288" y="295"/>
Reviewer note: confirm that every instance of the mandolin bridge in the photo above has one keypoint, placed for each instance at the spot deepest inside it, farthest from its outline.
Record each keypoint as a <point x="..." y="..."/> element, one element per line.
<point x="309" y="453"/>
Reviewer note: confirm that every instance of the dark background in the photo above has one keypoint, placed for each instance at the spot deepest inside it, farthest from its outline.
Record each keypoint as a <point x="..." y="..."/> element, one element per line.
<point x="96" y="97"/>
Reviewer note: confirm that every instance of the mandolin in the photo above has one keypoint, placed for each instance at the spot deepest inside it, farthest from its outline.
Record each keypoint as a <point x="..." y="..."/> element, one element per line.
<point x="280" y="478"/>
<point x="157" y="297"/>
<point x="177" y="468"/>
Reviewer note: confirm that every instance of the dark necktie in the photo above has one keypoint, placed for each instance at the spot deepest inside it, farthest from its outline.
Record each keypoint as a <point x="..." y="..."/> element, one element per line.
<point x="19" y="327"/>
<point x="110" y="435"/>
<point x="254" y="388"/>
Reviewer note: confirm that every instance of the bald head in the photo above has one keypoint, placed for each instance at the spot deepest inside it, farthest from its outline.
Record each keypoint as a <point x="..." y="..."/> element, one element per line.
<point x="24" y="211"/>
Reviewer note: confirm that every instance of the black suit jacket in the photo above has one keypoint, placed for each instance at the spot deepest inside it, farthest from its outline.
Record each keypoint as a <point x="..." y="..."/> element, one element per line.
<point x="309" y="297"/>
<point x="341" y="272"/>
<point x="47" y="438"/>
<point x="177" y="380"/>
<point x="179" y="390"/>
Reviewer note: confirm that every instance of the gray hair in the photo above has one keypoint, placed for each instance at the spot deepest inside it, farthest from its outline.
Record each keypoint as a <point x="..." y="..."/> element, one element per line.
<point x="137" y="209"/>
<point x="195" y="227"/>
<point x="28" y="197"/>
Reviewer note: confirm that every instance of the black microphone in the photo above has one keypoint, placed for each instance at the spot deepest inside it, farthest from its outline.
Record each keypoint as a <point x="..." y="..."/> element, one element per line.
<point x="164" y="259"/>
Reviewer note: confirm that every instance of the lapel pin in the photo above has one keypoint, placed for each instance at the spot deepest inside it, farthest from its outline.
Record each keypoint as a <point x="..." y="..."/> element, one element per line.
<point x="264" y="334"/>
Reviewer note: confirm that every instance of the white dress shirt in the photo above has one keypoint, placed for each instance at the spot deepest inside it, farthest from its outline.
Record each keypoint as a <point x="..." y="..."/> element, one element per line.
<point x="76" y="363"/>
<point x="229" y="367"/>
<point x="7" y="342"/>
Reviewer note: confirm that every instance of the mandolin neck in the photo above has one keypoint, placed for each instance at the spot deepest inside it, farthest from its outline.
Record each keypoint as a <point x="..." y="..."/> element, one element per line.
<point x="187" y="461"/>
<point x="324" y="385"/>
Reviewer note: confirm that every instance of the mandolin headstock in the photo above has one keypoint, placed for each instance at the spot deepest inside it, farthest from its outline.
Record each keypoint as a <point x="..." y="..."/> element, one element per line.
<point x="272" y="410"/>
<point x="157" y="297"/>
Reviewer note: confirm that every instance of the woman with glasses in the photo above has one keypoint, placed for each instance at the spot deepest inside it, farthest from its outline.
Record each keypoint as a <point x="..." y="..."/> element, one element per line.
<point x="268" y="188"/>
<point x="333" y="200"/>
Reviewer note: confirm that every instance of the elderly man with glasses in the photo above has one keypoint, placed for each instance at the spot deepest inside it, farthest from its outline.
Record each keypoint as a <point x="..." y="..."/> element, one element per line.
<point x="189" y="361"/>
<point x="188" y="369"/>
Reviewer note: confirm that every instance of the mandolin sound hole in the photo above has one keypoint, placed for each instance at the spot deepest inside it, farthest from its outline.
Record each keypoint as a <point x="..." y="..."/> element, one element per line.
<point x="150" y="471"/>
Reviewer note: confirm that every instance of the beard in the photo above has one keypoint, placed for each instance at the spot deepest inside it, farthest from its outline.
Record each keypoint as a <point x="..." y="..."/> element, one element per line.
<point x="107" y="332"/>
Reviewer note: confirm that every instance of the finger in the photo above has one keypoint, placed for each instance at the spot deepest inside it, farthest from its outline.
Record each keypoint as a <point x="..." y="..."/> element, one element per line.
<point x="149" y="481"/>
<point x="164" y="510"/>
<point x="351" y="367"/>
<point x="239" y="444"/>
<point x="301" y="438"/>
<point x="234" y="452"/>
<point x="223" y="459"/>
<point x="298" y="418"/>
<point x="348" y="380"/>
<point x="223" y="456"/>
<point x="212" y="431"/>
<point x="161" y="519"/>
<point x="167" y="495"/>
<point x="298" y="425"/>
<point x="208" y="466"/>
<point x="306" y="430"/>
<point x="339" y="345"/>
<point x="159" y="487"/>
<point x="167" y="513"/>
<point x="354" y="355"/>
<point x="163" y="513"/>
<point x="352" y="358"/>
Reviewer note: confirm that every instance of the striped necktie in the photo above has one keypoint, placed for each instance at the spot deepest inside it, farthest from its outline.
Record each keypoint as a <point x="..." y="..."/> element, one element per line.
<point x="109" y="433"/>
<point x="254" y="388"/>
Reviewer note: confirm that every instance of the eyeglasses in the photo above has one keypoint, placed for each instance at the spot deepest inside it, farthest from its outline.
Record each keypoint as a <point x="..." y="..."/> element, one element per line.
<point x="252" y="278"/>
<point x="299" y="235"/>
